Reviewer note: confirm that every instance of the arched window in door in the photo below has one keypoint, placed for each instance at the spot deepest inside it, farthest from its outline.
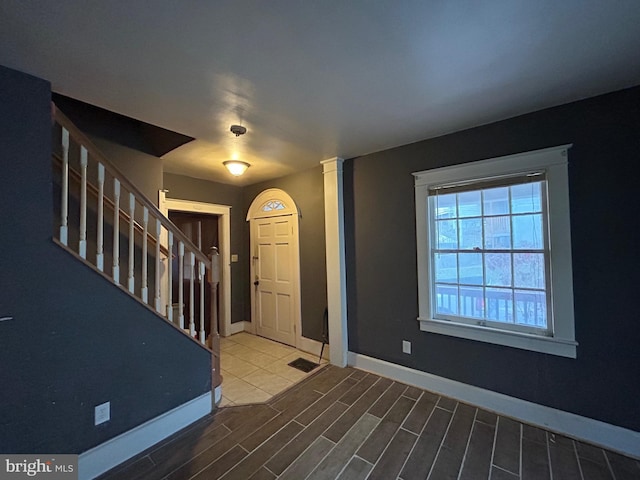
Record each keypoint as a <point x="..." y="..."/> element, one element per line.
<point x="272" y="202"/>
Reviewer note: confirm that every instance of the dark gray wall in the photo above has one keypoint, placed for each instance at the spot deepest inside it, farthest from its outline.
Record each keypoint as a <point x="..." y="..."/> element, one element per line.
<point x="141" y="169"/>
<point x="123" y="141"/>
<point x="75" y="340"/>
<point x="188" y="188"/>
<point x="307" y="190"/>
<point x="602" y="383"/>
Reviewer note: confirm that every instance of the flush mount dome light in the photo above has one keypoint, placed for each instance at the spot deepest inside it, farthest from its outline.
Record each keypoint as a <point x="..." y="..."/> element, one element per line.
<point x="236" y="167"/>
<point x="238" y="130"/>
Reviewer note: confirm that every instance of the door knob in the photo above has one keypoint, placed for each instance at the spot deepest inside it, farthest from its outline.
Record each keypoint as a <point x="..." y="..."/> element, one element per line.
<point x="256" y="283"/>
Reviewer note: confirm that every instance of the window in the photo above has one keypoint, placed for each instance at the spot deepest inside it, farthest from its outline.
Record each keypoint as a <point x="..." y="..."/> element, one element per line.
<point x="273" y="205"/>
<point x="494" y="251"/>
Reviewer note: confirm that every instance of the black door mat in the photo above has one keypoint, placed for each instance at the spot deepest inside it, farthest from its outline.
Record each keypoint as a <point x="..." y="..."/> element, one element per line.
<point x="303" y="364"/>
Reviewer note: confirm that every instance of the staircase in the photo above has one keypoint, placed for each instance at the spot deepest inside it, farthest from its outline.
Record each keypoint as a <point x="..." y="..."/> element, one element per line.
<point x="109" y="225"/>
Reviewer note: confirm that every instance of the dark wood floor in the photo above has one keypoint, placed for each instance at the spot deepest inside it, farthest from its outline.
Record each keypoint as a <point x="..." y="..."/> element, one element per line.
<point x="346" y="424"/>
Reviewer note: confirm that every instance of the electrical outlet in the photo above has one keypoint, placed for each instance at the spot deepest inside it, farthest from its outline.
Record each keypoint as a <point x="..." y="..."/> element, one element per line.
<point x="102" y="413"/>
<point x="406" y="347"/>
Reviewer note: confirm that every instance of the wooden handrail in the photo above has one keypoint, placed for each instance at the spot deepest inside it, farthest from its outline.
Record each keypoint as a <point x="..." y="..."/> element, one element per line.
<point x="94" y="152"/>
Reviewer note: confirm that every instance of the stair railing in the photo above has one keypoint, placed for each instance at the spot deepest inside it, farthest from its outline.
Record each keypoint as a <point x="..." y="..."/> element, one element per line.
<point x="143" y="248"/>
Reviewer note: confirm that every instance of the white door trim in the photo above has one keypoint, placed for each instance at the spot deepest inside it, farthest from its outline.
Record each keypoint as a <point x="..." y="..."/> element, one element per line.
<point x="224" y="236"/>
<point x="259" y="208"/>
<point x="256" y="211"/>
<point x="336" y="269"/>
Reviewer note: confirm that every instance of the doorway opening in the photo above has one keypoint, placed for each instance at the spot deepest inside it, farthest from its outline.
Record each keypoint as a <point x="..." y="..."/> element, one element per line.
<point x="169" y="206"/>
<point x="202" y="230"/>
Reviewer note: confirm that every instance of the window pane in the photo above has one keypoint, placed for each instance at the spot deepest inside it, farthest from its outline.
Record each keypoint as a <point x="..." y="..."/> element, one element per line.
<point x="526" y="198"/>
<point x="496" y="201"/>
<point x="506" y="287"/>
<point x="446" y="206"/>
<point x="528" y="270"/>
<point x="497" y="232"/>
<point x="447" y="232"/>
<point x="531" y="308"/>
<point x="498" y="269"/>
<point x="446" y="299"/>
<point x="470" y="268"/>
<point x="470" y="233"/>
<point x="469" y="204"/>
<point x="527" y="231"/>
<point x="446" y="267"/>
<point x="471" y="302"/>
<point x="499" y="304"/>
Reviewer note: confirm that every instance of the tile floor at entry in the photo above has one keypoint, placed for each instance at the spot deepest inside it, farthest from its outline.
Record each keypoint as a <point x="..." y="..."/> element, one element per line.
<point x="255" y="369"/>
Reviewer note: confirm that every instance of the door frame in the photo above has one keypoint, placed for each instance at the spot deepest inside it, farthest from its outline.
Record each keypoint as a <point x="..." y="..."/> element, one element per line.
<point x="286" y="207"/>
<point x="224" y="239"/>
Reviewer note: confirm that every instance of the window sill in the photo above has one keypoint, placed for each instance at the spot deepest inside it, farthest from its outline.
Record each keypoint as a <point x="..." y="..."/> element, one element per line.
<point x="535" y="343"/>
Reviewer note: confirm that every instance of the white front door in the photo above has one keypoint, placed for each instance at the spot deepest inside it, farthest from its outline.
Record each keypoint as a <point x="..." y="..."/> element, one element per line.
<point x="274" y="278"/>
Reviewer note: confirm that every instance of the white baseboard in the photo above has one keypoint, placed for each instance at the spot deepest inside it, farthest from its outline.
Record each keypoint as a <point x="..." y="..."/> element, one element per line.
<point x="99" y="459"/>
<point x="217" y="395"/>
<point x="238" y="327"/>
<point x="599" y="433"/>
<point x="313" y="347"/>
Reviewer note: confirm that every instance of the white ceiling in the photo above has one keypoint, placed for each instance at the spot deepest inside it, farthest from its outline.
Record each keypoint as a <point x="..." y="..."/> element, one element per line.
<point x="314" y="79"/>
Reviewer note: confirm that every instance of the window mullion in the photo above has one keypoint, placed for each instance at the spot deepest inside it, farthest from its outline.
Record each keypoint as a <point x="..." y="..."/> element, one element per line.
<point x="458" y="254"/>
<point x="432" y="225"/>
<point x="511" y="260"/>
<point x="484" y="273"/>
<point x="547" y="256"/>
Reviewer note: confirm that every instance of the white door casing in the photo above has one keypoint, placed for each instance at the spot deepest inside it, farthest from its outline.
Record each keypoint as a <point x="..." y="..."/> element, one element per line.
<point x="275" y="267"/>
<point x="224" y="233"/>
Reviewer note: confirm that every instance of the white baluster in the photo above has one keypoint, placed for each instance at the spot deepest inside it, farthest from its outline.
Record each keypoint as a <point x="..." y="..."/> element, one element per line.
<point x="192" y="264"/>
<point x="145" y="232"/>
<point x="84" y="160"/>
<point x="202" y="282"/>
<point x="132" y="242"/>
<point x="64" y="198"/>
<point x="181" y="284"/>
<point x="116" y="231"/>
<point x="170" y="276"/>
<point x="158" y="298"/>
<point x="100" y="235"/>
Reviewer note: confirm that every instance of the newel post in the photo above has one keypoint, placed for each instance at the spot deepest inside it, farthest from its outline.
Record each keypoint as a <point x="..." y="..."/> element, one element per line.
<point x="214" y="280"/>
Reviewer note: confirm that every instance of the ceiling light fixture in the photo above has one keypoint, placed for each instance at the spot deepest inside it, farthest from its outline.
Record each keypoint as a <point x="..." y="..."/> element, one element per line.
<point x="238" y="130"/>
<point x="236" y="167"/>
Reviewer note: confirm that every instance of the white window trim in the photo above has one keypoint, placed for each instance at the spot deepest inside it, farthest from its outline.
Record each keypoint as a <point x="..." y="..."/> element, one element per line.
<point x="554" y="162"/>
